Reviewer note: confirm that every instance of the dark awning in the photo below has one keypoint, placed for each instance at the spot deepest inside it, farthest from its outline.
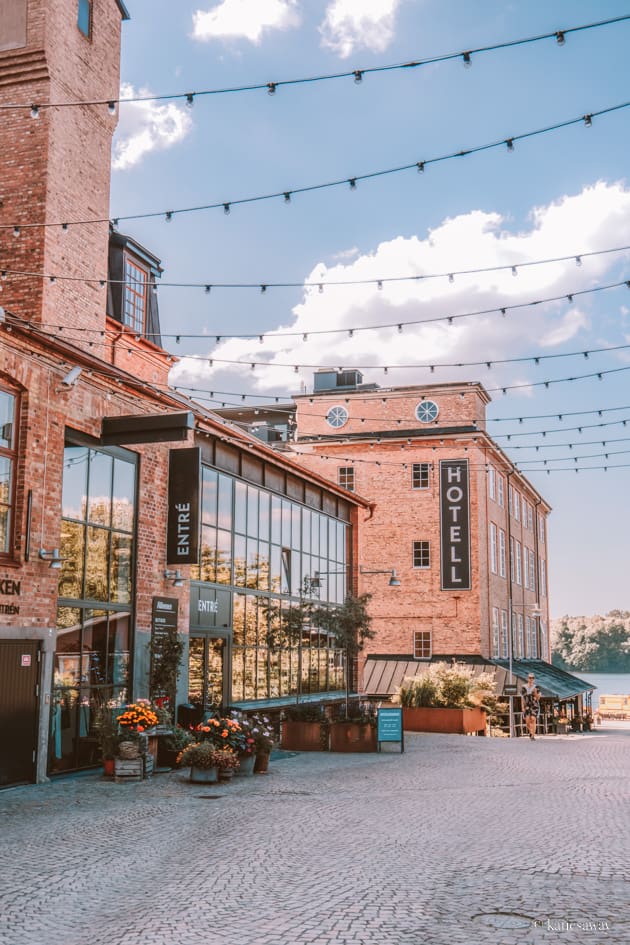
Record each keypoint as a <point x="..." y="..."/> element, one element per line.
<point x="383" y="674"/>
<point x="554" y="683"/>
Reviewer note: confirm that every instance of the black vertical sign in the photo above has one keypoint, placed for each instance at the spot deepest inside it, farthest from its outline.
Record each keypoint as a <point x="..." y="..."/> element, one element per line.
<point x="455" y="524"/>
<point x="182" y="535"/>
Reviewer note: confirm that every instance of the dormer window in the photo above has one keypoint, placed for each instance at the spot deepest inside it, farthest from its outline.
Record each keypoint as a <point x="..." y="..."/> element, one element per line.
<point x="132" y="298"/>
<point x="135" y="296"/>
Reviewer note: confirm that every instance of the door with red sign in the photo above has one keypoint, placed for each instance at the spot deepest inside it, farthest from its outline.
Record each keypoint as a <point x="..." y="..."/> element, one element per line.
<point x="19" y="709"/>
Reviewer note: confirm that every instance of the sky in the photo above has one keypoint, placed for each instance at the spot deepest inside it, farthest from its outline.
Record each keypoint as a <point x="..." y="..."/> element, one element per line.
<point x="561" y="193"/>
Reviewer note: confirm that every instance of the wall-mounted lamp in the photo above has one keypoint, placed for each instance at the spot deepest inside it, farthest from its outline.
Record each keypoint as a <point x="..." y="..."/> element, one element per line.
<point x="393" y="580"/>
<point x="72" y="376"/>
<point x="175" y="577"/>
<point x="53" y="556"/>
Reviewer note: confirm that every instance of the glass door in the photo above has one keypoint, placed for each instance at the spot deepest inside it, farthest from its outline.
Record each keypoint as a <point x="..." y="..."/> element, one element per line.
<point x="207" y="673"/>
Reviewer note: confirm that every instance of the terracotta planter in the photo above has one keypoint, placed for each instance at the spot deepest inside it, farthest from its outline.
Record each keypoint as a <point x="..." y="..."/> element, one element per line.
<point x="109" y="767"/>
<point x="453" y="721"/>
<point x="352" y="736"/>
<point x="302" y="736"/>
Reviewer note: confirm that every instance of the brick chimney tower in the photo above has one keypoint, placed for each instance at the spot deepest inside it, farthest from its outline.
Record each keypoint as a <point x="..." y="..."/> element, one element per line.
<point x="55" y="162"/>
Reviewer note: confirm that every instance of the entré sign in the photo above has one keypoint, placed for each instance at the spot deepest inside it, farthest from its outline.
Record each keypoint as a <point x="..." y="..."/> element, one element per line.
<point x="455" y="525"/>
<point x="182" y="538"/>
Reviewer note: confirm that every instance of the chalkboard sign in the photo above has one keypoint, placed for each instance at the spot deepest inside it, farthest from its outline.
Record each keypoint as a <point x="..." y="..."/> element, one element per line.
<point x="389" y="727"/>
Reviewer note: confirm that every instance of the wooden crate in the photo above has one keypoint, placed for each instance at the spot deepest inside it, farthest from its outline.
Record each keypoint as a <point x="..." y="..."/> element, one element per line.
<point x="128" y="769"/>
<point x="149" y="765"/>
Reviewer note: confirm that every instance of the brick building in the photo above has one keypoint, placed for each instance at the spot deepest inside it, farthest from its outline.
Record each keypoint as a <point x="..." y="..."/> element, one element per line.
<point x="465" y="532"/>
<point x="120" y="501"/>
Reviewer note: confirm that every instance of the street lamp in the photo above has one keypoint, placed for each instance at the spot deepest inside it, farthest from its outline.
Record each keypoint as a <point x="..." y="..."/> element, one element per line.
<point x="393" y="580"/>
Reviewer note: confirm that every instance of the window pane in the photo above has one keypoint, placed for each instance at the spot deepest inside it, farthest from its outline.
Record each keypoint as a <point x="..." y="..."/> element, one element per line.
<point x="263" y="516"/>
<point x="209" y="496"/>
<point x="252" y="511"/>
<point x="208" y="553"/>
<point x="97" y="564"/>
<point x="239" y="560"/>
<point x="100" y="488"/>
<point x="238" y="619"/>
<point x="124" y="496"/>
<point x="224" y="557"/>
<point x="315" y="534"/>
<point x="276" y="520"/>
<point x="296" y="527"/>
<point x="7" y="411"/>
<point x="286" y="523"/>
<point x="225" y="502"/>
<point x="240" y="506"/>
<point x="118" y="650"/>
<point x="276" y="568"/>
<point x="5" y="495"/>
<point x="72" y="549"/>
<point x="263" y="565"/>
<point x="252" y="562"/>
<point x="75" y="464"/>
<point x="135" y="295"/>
<point x="120" y="577"/>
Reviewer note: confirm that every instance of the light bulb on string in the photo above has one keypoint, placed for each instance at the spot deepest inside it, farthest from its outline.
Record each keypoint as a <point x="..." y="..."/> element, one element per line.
<point x="111" y="108"/>
<point x="467" y="60"/>
<point x="190" y="99"/>
<point x="34" y="111"/>
<point x="271" y="88"/>
<point x="353" y="183"/>
<point x="420" y="166"/>
<point x="358" y="76"/>
<point x="287" y="197"/>
<point x="510" y="144"/>
<point x="226" y="208"/>
<point x="588" y="121"/>
<point x="560" y="38"/>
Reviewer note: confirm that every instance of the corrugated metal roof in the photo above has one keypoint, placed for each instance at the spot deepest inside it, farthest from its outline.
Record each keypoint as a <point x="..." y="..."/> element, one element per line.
<point x="383" y="675"/>
<point x="554" y="683"/>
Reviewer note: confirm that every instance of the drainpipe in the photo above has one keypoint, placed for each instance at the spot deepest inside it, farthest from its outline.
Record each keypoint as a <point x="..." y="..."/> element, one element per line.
<point x="537" y="580"/>
<point x="508" y="535"/>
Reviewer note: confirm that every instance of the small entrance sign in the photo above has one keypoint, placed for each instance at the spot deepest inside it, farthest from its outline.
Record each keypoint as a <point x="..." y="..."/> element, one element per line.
<point x="389" y="726"/>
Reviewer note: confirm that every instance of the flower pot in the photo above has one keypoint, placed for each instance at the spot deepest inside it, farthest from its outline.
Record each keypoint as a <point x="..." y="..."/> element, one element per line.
<point x="109" y="767"/>
<point x="261" y="763"/>
<point x="246" y="767"/>
<point x="453" y="721"/>
<point x="352" y="736"/>
<point x="204" y="775"/>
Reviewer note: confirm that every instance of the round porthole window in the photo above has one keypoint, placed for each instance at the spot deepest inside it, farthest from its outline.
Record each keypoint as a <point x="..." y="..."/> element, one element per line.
<point x="427" y="411"/>
<point x="337" y="417"/>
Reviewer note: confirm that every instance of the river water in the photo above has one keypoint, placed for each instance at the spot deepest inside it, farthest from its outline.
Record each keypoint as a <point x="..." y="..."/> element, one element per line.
<point x="608" y="684"/>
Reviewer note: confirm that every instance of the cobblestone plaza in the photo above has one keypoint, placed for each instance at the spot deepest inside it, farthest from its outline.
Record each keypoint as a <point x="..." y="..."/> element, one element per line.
<point x="458" y="840"/>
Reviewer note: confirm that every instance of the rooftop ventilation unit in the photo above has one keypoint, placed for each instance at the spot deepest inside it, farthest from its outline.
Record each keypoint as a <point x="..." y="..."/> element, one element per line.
<point x="337" y="380"/>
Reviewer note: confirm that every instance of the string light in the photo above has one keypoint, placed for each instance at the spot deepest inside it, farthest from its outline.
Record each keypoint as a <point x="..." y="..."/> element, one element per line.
<point x="467" y="59"/>
<point x="372" y="175"/>
<point x="34" y="111"/>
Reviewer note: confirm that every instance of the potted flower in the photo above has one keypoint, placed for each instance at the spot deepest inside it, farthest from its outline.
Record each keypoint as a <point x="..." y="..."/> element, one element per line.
<point x="170" y="746"/>
<point x="200" y="758"/>
<point x="133" y="723"/>
<point x="247" y="747"/>
<point x="227" y="762"/>
<point x="263" y="734"/>
<point x="107" y="736"/>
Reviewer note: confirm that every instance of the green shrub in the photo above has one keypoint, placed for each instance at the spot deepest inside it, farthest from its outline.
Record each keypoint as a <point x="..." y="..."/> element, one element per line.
<point x="448" y="687"/>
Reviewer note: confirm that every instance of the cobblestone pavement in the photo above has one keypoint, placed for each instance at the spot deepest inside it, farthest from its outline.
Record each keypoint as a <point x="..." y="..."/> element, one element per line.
<point x="460" y="841"/>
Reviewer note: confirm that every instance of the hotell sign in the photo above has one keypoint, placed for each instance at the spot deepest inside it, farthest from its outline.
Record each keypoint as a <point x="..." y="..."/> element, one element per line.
<point x="9" y="588"/>
<point x="455" y="524"/>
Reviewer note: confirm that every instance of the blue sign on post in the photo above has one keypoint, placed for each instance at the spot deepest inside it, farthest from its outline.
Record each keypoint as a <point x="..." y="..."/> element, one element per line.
<point x="389" y="726"/>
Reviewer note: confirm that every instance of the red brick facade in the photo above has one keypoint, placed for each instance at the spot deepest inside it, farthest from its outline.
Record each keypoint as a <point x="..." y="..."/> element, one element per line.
<point x="380" y="442"/>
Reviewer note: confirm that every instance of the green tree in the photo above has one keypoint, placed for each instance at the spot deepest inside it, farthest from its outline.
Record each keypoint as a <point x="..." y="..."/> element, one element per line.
<point x="351" y="625"/>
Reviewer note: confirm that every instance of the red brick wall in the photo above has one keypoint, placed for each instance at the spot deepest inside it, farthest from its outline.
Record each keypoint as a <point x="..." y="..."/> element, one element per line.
<point x="57" y="168"/>
<point x="459" y="620"/>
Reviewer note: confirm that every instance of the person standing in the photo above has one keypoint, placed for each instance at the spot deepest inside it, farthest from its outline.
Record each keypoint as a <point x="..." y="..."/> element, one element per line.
<point x="530" y="695"/>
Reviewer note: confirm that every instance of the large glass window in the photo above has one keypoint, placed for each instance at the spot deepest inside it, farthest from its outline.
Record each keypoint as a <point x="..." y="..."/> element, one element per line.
<point x="8" y="413"/>
<point x="274" y="545"/>
<point x="91" y="667"/>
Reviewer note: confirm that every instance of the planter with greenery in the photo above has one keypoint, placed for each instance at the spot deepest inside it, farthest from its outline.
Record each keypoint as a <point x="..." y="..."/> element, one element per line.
<point x="355" y="732"/>
<point x="170" y="746"/>
<point x="200" y="758"/>
<point x="449" y="699"/>
<point x="304" y="728"/>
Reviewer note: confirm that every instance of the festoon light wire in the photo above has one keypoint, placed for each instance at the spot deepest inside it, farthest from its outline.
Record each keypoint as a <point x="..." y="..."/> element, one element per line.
<point x="287" y="193"/>
<point x="356" y="74"/>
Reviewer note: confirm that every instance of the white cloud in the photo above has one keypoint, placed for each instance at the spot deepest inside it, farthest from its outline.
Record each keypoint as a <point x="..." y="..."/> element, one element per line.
<point x="146" y="126"/>
<point x="245" y="19"/>
<point x="353" y="24"/>
<point x="595" y="219"/>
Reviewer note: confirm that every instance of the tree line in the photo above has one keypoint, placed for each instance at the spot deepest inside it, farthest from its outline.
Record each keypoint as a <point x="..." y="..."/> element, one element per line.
<point x="598" y="644"/>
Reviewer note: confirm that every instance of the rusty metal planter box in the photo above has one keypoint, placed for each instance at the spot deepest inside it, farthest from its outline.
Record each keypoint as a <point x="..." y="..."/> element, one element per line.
<point x="454" y="721"/>
<point x="352" y="736"/>
<point x="302" y="736"/>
